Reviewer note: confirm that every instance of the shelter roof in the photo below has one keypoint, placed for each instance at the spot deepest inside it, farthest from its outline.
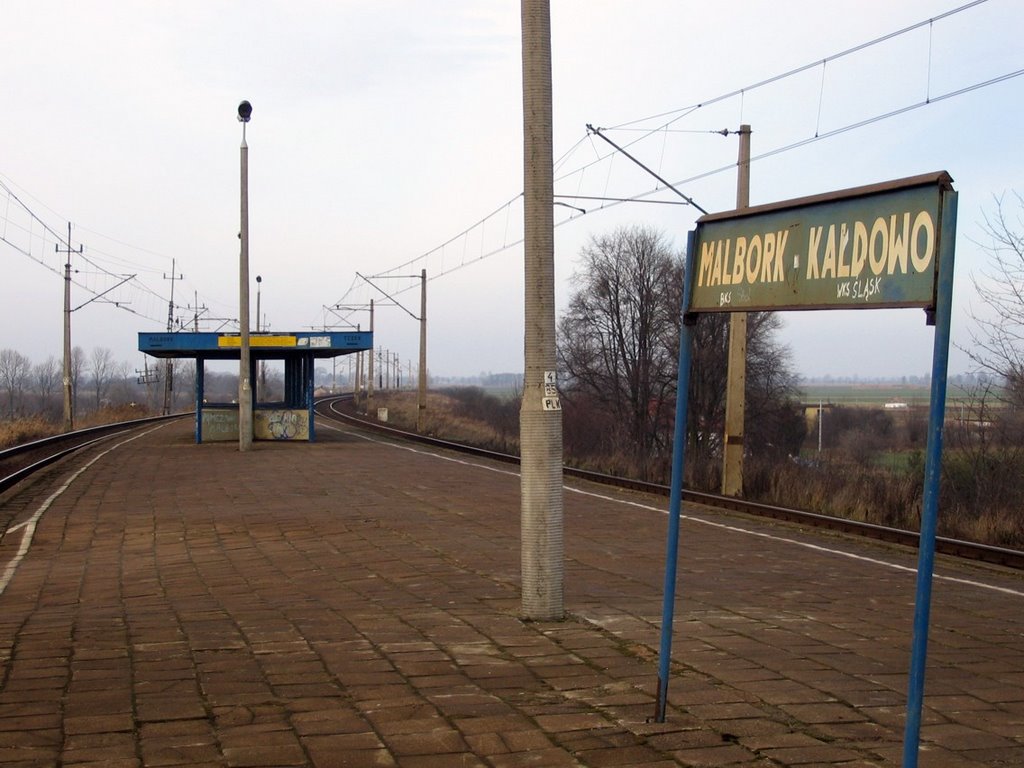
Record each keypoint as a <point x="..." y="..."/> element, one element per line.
<point x="227" y="346"/>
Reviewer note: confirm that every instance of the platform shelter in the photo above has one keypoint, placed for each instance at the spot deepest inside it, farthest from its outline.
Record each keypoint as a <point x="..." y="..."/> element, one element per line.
<point x="290" y="418"/>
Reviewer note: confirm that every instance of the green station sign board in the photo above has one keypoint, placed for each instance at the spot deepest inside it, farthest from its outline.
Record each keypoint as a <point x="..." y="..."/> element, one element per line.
<point x="869" y="247"/>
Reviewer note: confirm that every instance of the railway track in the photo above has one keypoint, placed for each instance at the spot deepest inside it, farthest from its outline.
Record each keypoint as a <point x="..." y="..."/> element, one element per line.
<point x="329" y="408"/>
<point x="21" y="461"/>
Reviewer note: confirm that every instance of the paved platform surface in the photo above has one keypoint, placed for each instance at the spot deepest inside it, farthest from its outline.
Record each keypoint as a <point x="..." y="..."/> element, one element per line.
<point x="354" y="603"/>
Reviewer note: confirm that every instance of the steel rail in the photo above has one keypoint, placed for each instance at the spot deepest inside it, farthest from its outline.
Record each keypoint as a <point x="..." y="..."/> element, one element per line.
<point x="29" y="458"/>
<point x="954" y="547"/>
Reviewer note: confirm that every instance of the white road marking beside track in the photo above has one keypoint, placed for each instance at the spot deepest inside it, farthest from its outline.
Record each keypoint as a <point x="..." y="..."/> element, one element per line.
<point x="29" y="526"/>
<point x="690" y="518"/>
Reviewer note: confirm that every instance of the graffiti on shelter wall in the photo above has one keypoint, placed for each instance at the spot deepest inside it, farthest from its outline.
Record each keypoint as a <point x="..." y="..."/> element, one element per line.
<point x="281" y="424"/>
<point x="220" y="424"/>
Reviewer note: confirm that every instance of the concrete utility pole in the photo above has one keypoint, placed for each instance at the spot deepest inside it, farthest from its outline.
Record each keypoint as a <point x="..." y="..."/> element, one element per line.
<point x="542" y="554"/>
<point x="422" y="405"/>
<point x="261" y="380"/>
<point x="69" y="400"/>
<point x="421" y="399"/>
<point x="357" y="385"/>
<point x="369" y="378"/>
<point x="169" y="363"/>
<point x="196" y="311"/>
<point x="244" y="372"/>
<point x="735" y="396"/>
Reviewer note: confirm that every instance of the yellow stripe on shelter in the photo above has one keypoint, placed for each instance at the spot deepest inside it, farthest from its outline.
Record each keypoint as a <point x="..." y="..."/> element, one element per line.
<point x="258" y="341"/>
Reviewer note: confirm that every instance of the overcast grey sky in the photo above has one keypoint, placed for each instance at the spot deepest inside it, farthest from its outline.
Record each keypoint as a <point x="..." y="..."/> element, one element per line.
<point x="382" y="131"/>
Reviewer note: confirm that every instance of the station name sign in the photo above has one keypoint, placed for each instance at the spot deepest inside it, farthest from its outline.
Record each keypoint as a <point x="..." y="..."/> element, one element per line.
<point x="875" y="246"/>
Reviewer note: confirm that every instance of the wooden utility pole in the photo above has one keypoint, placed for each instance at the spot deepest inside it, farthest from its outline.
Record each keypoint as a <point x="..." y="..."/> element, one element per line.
<point x="735" y="397"/>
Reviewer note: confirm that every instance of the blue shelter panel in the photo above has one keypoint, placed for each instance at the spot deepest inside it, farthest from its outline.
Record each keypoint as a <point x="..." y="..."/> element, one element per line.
<point x="226" y="346"/>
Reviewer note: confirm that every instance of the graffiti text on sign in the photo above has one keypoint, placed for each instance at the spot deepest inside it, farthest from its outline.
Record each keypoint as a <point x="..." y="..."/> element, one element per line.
<point x="859" y="290"/>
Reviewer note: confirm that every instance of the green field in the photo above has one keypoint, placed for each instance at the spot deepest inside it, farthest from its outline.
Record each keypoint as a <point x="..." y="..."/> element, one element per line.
<point x="868" y="394"/>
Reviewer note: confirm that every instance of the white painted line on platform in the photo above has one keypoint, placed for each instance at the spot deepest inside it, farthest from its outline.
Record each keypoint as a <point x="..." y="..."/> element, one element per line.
<point x="29" y="526"/>
<point x="420" y="451"/>
<point x="804" y="544"/>
<point x="690" y="518"/>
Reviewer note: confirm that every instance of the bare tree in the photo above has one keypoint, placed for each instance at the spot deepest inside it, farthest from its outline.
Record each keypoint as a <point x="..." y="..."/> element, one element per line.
<point x="47" y="375"/>
<point x="619" y="345"/>
<point x="122" y="383"/>
<point x="14" y="373"/>
<point x="773" y="424"/>
<point x="102" y="368"/>
<point x="618" y="338"/>
<point x="998" y="339"/>
<point x="776" y="425"/>
<point x="77" y="366"/>
<point x="708" y="376"/>
<point x="982" y="491"/>
<point x="185" y="372"/>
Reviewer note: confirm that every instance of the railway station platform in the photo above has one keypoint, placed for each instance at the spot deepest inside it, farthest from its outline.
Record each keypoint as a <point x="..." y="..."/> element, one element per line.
<point x="354" y="602"/>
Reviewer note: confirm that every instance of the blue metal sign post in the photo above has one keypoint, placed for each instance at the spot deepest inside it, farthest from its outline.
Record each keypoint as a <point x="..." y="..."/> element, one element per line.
<point x="932" y="475"/>
<point x="676" y="493"/>
<point x="924" y="279"/>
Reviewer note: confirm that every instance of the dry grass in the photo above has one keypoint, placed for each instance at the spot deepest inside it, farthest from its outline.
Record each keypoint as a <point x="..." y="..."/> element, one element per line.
<point x="999" y="529"/>
<point x="112" y="414"/>
<point x="25" y="430"/>
<point x="888" y="498"/>
<point x="442" y="420"/>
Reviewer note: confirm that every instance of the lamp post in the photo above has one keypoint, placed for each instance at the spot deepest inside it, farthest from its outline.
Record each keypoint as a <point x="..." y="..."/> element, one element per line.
<point x="244" y="383"/>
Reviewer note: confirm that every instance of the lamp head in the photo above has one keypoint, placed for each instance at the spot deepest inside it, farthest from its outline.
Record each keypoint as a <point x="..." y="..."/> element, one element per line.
<point x="259" y="279"/>
<point x="244" y="112"/>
